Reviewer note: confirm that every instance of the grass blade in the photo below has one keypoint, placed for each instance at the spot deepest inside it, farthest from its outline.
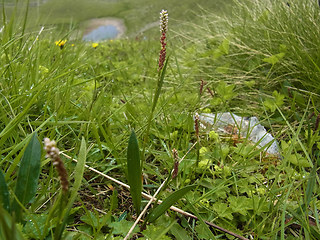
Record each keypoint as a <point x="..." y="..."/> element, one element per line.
<point x="309" y="191"/>
<point x="134" y="171"/>
<point x="78" y="173"/>
<point x="311" y="184"/>
<point x="8" y="229"/>
<point x="4" y="193"/>
<point x="28" y="176"/>
<point x="168" y="202"/>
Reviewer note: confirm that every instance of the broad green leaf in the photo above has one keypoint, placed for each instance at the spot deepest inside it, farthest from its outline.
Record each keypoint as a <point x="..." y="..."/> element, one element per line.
<point x="134" y="171"/>
<point x="4" y="193"/>
<point x="168" y="202"/>
<point x="28" y="175"/>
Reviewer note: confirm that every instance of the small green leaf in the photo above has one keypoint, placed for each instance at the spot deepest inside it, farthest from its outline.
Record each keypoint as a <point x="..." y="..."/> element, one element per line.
<point x="225" y="91"/>
<point x="223" y="69"/>
<point x="168" y="202"/>
<point x="91" y="219"/>
<point x="122" y="227"/>
<point x="225" y="46"/>
<point x="264" y="17"/>
<point x="298" y="160"/>
<point x="28" y="175"/>
<point x="154" y="232"/>
<point x="114" y="200"/>
<point x="216" y="101"/>
<point x="223" y="210"/>
<point x="202" y="232"/>
<point x="278" y="98"/>
<point x="179" y="233"/>
<point x="4" y="193"/>
<point x="274" y="58"/>
<point x="240" y="204"/>
<point x="216" y="54"/>
<point x="270" y="105"/>
<point x="134" y="171"/>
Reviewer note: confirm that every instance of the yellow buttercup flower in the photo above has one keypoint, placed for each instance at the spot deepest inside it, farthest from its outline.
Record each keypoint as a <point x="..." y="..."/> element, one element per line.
<point x="95" y="45"/>
<point x="61" y="43"/>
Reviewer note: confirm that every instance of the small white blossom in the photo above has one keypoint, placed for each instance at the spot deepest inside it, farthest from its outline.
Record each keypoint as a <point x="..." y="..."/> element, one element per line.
<point x="51" y="148"/>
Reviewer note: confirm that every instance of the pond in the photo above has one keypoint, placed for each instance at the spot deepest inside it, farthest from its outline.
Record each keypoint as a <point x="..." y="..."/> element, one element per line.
<point x="102" y="29"/>
<point x="102" y="33"/>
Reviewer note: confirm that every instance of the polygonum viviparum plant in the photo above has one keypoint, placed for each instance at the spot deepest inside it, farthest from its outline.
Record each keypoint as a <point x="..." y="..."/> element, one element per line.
<point x="163" y="39"/>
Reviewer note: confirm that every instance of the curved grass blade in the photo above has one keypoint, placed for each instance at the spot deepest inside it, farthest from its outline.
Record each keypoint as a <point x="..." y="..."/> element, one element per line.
<point x="134" y="171"/>
<point x="4" y="193"/>
<point x="168" y="202"/>
<point x="28" y="175"/>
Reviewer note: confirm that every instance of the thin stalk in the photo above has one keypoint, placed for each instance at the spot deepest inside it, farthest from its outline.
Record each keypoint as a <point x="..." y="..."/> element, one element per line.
<point x="154" y="104"/>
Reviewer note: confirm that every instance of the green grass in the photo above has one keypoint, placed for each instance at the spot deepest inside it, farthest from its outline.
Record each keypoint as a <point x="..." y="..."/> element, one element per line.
<point x="254" y="61"/>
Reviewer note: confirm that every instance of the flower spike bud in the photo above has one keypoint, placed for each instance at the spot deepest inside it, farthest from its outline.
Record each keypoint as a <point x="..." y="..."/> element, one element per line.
<point x="164" y="21"/>
<point x="53" y="152"/>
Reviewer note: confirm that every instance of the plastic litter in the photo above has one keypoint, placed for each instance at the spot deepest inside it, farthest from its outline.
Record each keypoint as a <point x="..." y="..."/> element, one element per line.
<point x="246" y="127"/>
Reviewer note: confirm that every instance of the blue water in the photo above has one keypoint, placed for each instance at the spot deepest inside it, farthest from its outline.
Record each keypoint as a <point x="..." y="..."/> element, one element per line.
<point x="102" y="33"/>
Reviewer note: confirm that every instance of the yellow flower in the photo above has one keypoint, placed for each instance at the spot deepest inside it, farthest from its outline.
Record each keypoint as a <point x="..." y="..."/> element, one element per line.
<point x="61" y="43"/>
<point x="95" y="45"/>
